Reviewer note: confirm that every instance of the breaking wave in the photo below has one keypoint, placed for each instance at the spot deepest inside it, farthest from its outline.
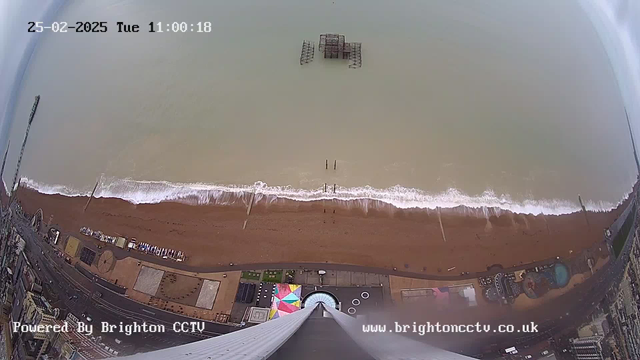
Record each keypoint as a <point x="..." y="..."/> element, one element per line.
<point x="366" y="198"/>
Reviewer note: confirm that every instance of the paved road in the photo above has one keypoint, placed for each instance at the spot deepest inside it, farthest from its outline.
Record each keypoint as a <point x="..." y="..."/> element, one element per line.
<point x="75" y="292"/>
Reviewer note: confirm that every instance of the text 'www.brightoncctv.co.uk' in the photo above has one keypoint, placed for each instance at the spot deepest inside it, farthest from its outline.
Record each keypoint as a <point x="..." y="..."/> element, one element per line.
<point x="428" y="327"/>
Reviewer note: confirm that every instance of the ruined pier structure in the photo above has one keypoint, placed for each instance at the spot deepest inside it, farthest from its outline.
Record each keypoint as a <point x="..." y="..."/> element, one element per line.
<point x="333" y="46"/>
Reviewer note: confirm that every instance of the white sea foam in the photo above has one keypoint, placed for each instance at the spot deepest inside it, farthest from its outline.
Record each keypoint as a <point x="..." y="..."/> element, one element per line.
<point x="151" y="192"/>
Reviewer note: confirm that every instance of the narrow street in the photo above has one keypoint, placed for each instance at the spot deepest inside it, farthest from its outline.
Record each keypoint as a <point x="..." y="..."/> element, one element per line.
<point x="75" y="291"/>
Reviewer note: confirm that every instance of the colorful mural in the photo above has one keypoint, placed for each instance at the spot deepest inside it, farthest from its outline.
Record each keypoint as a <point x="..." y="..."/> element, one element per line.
<point x="286" y="299"/>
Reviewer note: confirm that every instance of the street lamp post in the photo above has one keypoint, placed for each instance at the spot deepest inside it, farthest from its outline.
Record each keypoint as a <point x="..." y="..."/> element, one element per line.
<point x="6" y="220"/>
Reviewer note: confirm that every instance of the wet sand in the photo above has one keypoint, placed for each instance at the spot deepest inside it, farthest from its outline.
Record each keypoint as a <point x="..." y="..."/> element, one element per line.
<point x="288" y="231"/>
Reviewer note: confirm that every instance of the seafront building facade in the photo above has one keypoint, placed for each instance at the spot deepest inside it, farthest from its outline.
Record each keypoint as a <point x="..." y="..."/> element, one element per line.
<point x="37" y="311"/>
<point x="613" y="331"/>
<point x="624" y="307"/>
<point x="28" y="301"/>
<point x="588" y="348"/>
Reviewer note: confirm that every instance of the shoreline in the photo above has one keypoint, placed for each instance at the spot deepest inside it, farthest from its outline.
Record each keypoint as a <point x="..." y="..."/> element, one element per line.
<point x="410" y="240"/>
<point x="395" y="197"/>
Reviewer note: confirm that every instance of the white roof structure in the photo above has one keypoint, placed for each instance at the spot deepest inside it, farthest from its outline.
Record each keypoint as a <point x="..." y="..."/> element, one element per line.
<point x="320" y="297"/>
<point x="258" y="315"/>
<point x="261" y="341"/>
<point x="253" y="343"/>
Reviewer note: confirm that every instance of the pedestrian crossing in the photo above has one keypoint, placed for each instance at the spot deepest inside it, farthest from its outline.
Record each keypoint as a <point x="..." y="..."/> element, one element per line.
<point x="91" y="348"/>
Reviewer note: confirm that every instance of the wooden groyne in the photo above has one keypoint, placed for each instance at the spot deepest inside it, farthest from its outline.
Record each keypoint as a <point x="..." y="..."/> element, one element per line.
<point x="253" y="196"/>
<point x="92" y="193"/>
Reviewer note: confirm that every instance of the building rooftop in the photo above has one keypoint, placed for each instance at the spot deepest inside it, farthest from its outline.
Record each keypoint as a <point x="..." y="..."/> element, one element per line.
<point x="41" y="303"/>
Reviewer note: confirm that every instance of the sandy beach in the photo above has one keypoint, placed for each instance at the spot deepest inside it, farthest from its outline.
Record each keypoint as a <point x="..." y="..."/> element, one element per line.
<point x="410" y="240"/>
